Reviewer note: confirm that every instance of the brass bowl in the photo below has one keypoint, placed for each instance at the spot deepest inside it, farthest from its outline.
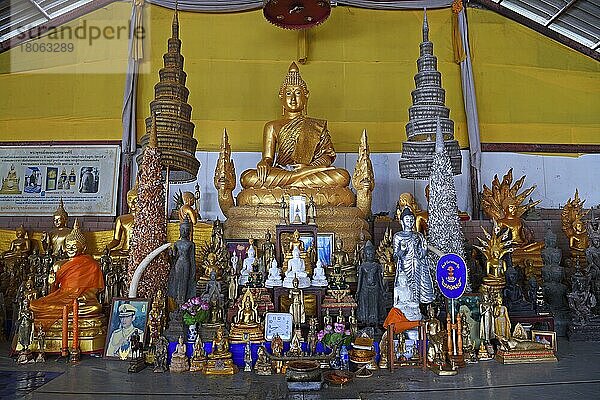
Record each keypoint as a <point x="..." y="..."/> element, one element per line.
<point x="361" y="356"/>
<point x="337" y="377"/>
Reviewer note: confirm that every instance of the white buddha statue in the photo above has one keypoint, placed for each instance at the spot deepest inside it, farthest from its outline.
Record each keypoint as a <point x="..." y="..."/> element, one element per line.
<point x="403" y="299"/>
<point x="297" y="269"/>
<point x="274" y="278"/>
<point x="319" y="278"/>
<point x="247" y="266"/>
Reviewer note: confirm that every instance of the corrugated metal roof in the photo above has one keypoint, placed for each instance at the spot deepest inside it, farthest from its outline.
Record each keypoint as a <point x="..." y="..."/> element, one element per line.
<point x="578" y="20"/>
<point x="19" y="16"/>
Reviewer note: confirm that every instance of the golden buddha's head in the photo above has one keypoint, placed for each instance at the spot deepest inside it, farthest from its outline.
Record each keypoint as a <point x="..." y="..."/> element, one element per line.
<point x="211" y="258"/>
<point x="188" y="198"/>
<point x="29" y="284"/>
<point x="338" y="243"/>
<point x="247" y="304"/>
<point x="219" y="333"/>
<point x="60" y="216"/>
<point x="132" y="199"/>
<point x="511" y="210"/>
<point x="293" y="92"/>
<point x="75" y="243"/>
<point x="20" y="232"/>
<point x="578" y="226"/>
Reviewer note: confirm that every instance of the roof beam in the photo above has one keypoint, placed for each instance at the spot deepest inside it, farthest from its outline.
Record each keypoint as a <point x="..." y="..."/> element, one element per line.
<point x="544" y="30"/>
<point x="560" y="12"/>
<point x="40" y="9"/>
<point x="52" y="23"/>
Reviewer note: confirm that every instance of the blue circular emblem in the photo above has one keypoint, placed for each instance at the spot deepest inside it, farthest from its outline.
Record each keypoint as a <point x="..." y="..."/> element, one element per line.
<point x="451" y="275"/>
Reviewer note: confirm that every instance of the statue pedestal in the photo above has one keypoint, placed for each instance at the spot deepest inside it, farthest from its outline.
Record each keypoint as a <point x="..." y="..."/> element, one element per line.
<point x="92" y="335"/>
<point x="525" y="356"/>
<point x="175" y="326"/>
<point x="339" y="299"/>
<point x="253" y="221"/>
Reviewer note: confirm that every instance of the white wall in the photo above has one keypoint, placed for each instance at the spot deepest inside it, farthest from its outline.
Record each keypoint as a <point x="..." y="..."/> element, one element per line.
<point x="556" y="178"/>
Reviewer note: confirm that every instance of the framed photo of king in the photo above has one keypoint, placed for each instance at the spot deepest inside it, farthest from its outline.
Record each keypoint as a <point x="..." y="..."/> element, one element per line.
<point x="127" y="316"/>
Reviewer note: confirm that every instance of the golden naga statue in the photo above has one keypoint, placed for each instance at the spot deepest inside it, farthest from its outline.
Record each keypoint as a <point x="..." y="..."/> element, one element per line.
<point x="363" y="178"/>
<point x="574" y="228"/>
<point x="56" y="238"/>
<point x="225" y="175"/>
<point x="505" y="206"/>
<point x="119" y="245"/>
<point x="495" y="246"/>
<point x="297" y="155"/>
<point x="421" y="217"/>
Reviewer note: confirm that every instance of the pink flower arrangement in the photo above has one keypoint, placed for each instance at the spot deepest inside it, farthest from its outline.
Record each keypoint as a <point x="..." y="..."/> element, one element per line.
<point x="335" y="336"/>
<point x="195" y="310"/>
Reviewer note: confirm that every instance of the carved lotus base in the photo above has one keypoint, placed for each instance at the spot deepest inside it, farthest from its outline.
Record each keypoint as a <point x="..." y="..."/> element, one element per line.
<point x="328" y="196"/>
<point x="221" y="366"/>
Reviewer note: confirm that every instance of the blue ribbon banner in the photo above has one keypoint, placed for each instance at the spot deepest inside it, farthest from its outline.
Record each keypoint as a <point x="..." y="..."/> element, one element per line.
<point x="451" y="275"/>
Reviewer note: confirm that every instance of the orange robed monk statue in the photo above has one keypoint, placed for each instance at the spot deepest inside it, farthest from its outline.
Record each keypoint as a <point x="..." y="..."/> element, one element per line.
<point x="79" y="277"/>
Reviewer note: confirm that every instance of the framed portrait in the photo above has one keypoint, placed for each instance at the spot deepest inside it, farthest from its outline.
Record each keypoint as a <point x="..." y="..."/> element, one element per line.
<point x="127" y="316"/>
<point x="238" y="246"/>
<point x="545" y="337"/>
<point x="297" y="211"/>
<point x="468" y="304"/>
<point x="325" y="243"/>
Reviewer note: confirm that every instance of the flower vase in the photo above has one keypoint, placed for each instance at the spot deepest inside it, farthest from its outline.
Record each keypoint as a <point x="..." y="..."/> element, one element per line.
<point x="336" y="361"/>
<point x="191" y="333"/>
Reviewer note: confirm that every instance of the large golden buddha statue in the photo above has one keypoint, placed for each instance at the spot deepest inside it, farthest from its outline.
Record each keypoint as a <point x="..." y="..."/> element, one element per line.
<point x="79" y="277"/>
<point x="297" y="155"/>
<point x="505" y="206"/>
<point x="55" y="239"/>
<point x="121" y="241"/>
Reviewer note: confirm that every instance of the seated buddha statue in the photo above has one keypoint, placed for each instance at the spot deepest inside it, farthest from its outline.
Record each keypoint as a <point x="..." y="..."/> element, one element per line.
<point x="341" y="258"/>
<point x="288" y="249"/>
<point x="211" y="265"/>
<point x="574" y="228"/>
<point x="19" y="247"/>
<point x="297" y="153"/>
<point x="246" y="323"/>
<point x="296" y="270"/>
<point x="55" y="239"/>
<point x="220" y="361"/>
<point x="10" y="184"/>
<point x="119" y="245"/>
<point x="79" y="277"/>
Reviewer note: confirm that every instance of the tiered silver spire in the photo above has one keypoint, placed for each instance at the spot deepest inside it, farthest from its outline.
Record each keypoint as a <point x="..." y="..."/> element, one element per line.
<point x="428" y="105"/>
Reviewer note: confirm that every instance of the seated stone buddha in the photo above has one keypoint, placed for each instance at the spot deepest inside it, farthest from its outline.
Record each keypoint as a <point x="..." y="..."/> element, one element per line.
<point x="297" y="155"/>
<point x="78" y="277"/>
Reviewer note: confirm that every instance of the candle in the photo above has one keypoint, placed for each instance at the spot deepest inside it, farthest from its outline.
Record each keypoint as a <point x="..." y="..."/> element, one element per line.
<point x="65" y="332"/>
<point x="75" y="325"/>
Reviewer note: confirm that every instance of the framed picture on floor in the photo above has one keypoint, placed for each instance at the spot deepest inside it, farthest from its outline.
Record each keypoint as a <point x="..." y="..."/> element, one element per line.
<point x="545" y="337"/>
<point x="128" y="317"/>
<point x="468" y="306"/>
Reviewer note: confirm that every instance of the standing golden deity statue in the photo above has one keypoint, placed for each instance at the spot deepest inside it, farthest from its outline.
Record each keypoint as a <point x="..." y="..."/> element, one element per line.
<point x="574" y="228"/>
<point x="297" y="154"/>
<point x="505" y="206"/>
<point x="55" y="240"/>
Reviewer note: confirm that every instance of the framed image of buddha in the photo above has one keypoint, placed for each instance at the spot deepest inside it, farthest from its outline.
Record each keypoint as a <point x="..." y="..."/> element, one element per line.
<point x="468" y="306"/>
<point x="128" y="317"/>
<point x="297" y="210"/>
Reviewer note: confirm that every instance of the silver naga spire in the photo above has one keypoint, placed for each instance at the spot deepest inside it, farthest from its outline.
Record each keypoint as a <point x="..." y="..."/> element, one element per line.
<point x="428" y="118"/>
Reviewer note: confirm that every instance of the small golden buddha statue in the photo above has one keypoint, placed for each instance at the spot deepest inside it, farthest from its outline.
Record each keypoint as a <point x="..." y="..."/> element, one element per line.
<point x="19" y="247"/>
<point x="247" y="321"/>
<point x="263" y="365"/>
<point x="198" y="361"/>
<point x="505" y="205"/>
<point x="55" y="239"/>
<point x="495" y="246"/>
<point x="220" y="361"/>
<point x="79" y="277"/>
<point x="288" y="251"/>
<point x="341" y="259"/>
<point x="297" y="153"/>
<point x="119" y="245"/>
<point x="10" y="184"/>
<point x="211" y="265"/>
<point x="572" y="224"/>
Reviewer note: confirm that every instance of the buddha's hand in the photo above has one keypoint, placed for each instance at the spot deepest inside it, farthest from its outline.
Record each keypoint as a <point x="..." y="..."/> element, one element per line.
<point x="262" y="170"/>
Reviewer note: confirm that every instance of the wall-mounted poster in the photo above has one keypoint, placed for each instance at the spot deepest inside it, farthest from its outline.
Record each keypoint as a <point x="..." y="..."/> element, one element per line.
<point x="34" y="178"/>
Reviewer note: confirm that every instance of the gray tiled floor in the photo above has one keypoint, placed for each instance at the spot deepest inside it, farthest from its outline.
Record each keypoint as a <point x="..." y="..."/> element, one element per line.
<point x="575" y="376"/>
